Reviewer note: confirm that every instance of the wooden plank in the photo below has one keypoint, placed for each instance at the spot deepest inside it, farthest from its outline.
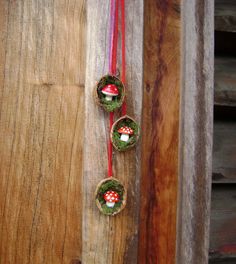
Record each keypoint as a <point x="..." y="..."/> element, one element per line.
<point x="225" y="81"/>
<point x="225" y="15"/>
<point x="223" y="218"/>
<point x="224" y="152"/>
<point x="111" y="239"/>
<point x="160" y="132"/>
<point x="196" y="132"/>
<point x="41" y="121"/>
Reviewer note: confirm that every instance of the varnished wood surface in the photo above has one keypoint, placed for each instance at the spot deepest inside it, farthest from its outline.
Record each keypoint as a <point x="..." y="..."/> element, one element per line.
<point x="196" y="132"/>
<point x="160" y="132"/>
<point x="41" y="129"/>
<point x="225" y="81"/>
<point x="111" y="239"/>
<point x="224" y="152"/>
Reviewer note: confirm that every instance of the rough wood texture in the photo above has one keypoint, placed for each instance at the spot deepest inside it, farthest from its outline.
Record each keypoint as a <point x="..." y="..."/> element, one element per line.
<point x="225" y="81"/>
<point x="224" y="152"/>
<point x="111" y="239"/>
<point x="225" y="15"/>
<point x="196" y="132"/>
<point x="41" y="100"/>
<point x="160" y="128"/>
<point x="223" y="219"/>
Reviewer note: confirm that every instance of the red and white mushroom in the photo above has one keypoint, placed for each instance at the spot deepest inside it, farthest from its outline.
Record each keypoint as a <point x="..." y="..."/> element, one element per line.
<point x="111" y="197"/>
<point x="125" y="132"/>
<point x="110" y="91"/>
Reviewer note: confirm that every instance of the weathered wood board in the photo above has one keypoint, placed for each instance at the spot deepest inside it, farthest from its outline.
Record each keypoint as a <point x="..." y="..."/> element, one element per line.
<point x="196" y="132"/>
<point x="42" y="65"/>
<point x="224" y="152"/>
<point x="225" y="81"/>
<point x="223" y="217"/>
<point x="225" y="15"/>
<point x="160" y="132"/>
<point x="111" y="239"/>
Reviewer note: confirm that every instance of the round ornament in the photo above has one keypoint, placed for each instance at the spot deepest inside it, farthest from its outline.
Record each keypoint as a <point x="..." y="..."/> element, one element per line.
<point x="110" y="196"/>
<point x="124" y="133"/>
<point x="109" y="93"/>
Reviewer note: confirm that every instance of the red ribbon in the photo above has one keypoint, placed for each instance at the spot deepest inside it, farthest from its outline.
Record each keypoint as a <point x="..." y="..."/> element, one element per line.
<point x="113" y="53"/>
<point x="123" y="77"/>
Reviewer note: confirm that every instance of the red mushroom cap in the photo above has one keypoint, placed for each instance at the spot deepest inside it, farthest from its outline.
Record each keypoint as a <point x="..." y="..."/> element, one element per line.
<point x="126" y="130"/>
<point x="111" y="197"/>
<point x="110" y="89"/>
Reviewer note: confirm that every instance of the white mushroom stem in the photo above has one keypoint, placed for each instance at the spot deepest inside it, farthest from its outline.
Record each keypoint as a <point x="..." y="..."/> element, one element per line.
<point x="124" y="137"/>
<point x="110" y="204"/>
<point x="108" y="97"/>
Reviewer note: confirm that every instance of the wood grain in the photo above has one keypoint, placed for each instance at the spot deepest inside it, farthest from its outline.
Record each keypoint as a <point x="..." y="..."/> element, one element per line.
<point x="160" y="137"/>
<point x="224" y="152"/>
<point x="111" y="239"/>
<point x="225" y="15"/>
<point x="225" y="81"/>
<point x="41" y="122"/>
<point x="196" y="132"/>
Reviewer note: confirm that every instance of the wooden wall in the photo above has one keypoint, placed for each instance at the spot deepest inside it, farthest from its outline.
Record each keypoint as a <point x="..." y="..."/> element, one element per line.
<point x="42" y="65"/>
<point x="53" y="144"/>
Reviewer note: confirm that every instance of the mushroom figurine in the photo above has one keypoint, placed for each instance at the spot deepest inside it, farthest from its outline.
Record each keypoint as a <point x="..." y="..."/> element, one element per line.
<point x="110" y="91"/>
<point x="111" y="197"/>
<point x="125" y="133"/>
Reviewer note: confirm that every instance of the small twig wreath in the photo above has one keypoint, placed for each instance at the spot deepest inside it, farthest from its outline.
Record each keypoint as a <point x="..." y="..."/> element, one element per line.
<point x="124" y="133"/>
<point x="110" y="196"/>
<point x="109" y="93"/>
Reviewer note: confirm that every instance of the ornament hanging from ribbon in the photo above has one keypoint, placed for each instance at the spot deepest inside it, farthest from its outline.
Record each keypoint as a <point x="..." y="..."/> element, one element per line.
<point x="109" y="93"/>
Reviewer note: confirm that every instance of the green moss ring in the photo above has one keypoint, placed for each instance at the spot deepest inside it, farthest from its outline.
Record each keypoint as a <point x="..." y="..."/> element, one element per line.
<point x="125" y="133"/>
<point x="109" y="93"/>
<point x="110" y="196"/>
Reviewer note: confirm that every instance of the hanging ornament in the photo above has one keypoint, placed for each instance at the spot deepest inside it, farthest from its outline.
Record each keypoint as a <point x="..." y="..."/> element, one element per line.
<point x="124" y="133"/>
<point x="110" y="93"/>
<point x="110" y="196"/>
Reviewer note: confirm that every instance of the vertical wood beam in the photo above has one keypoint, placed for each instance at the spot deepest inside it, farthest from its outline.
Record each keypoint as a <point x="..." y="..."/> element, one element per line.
<point x="111" y="239"/>
<point x="196" y="132"/>
<point x="42" y="70"/>
<point x="160" y="132"/>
